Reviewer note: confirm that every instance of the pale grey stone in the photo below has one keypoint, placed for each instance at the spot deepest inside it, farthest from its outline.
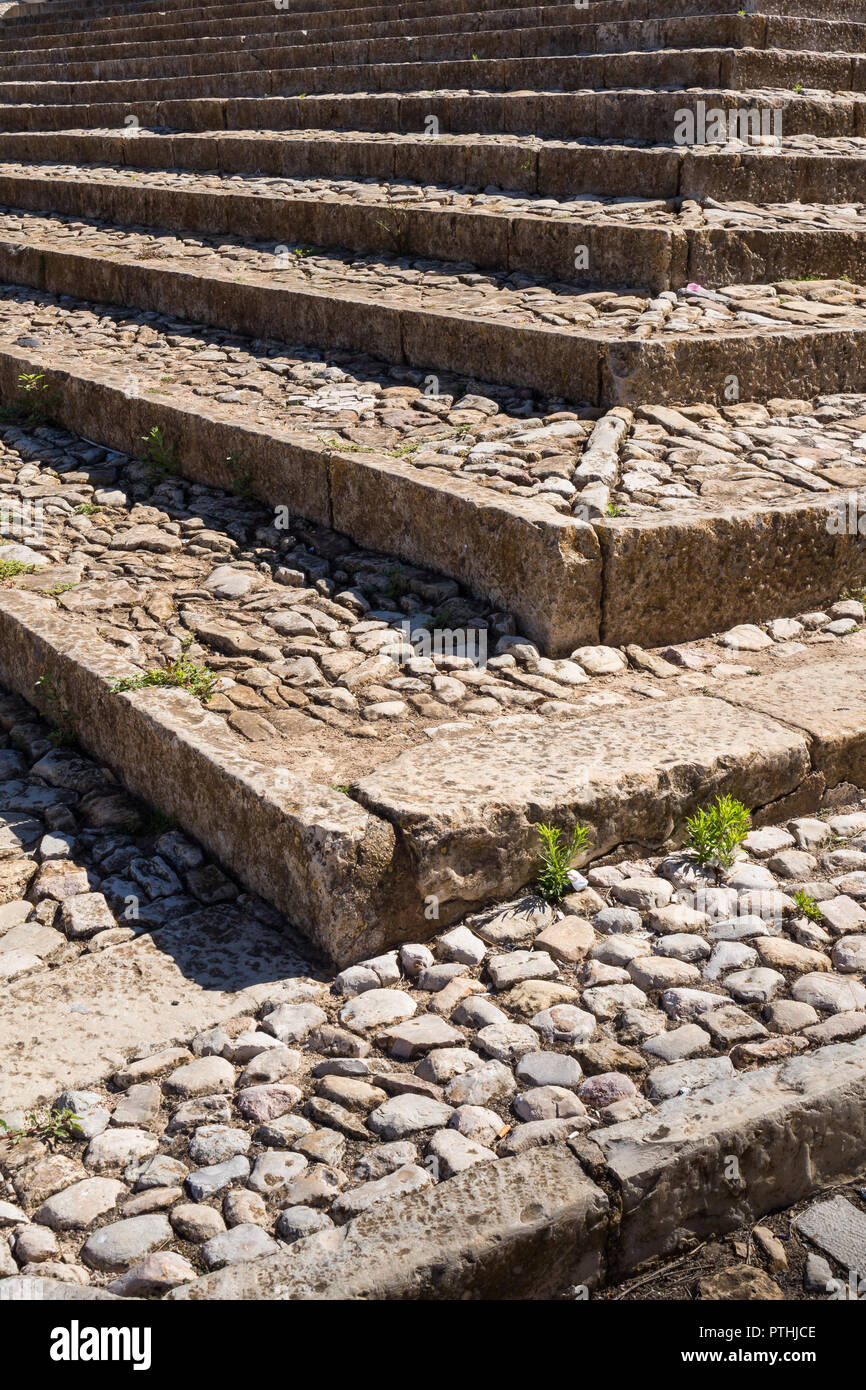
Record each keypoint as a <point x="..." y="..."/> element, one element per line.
<point x="207" y="1181"/>
<point x="118" y="1247"/>
<point x="408" y="1114"/>
<point x="241" y="1243"/>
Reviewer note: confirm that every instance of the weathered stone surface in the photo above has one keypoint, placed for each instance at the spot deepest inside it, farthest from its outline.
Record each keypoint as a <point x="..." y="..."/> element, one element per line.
<point x="78" y="1206"/>
<point x="767" y="1119"/>
<point x="838" y="1228"/>
<point x="377" y="1008"/>
<point x="118" y="1247"/>
<point x="738" y="1283"/>
<point x="472" y="1229"/>
<point x="408" y="1114"/>
<point x="201" y="970"/>
<point x="235" y="1247"/>
<point x="449" y="799"/>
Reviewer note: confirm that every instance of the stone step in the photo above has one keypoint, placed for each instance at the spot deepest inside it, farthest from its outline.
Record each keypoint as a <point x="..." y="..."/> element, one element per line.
<point x="166" y="21"/>
<point x="803" y="169"/>
<point x="652" y="116"/>
<point x="468" y="802"/>
<point x="545" y="335"/>
<point x="738" y="70"/>
<point x="276" y="50"/>
<point x="749" y="541"/>
<point x="672" y="243"/>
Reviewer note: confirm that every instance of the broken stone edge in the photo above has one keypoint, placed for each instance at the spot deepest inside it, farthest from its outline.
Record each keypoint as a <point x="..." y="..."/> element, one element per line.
<point x="591" y="1210"/>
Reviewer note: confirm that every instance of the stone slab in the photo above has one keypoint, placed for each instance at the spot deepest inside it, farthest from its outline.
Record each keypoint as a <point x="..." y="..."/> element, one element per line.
<point x="528" y="1225"/>
<point x="792" y="1128"/>
<point x="827" y="701"/>
<point x="467" y="805"/>
<point x="76" y="1025"/>
<point x="839" y="1229"/>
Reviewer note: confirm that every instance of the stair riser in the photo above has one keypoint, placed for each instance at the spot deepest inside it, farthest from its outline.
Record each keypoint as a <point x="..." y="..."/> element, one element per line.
<point x="613" y="115"/>
<point x="730" y="69"/>
<point x="276" y="52"/>
<point x="552" y="171"/>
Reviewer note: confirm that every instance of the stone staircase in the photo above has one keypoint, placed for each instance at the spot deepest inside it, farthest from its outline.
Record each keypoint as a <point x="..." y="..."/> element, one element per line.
<point x="628" y="236"/>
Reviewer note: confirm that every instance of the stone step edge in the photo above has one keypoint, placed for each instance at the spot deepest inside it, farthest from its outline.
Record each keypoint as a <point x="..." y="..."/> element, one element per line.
<point x="106" y="14"/>
<point x="352" y="871"/>
<point x="102" y="63"/>
<point x="548" y="169"/>
<point x="544" y="568"/>
<point x="338" y="873"/>
<point x="669" y="256"/>
<point x="569" y="583"/>
<point x="576" y="366"/>
<point x="533" y="1225"/>
<point x="549" y="114"/>
<point x="738" y="70"/>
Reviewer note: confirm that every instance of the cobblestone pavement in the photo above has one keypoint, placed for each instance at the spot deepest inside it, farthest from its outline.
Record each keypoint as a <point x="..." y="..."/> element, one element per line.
<point x="520" y="1026"/>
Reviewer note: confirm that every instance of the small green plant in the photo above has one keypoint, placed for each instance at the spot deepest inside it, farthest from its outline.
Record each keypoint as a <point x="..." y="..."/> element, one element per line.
<point x="182" y="674"/>
<point x="242" y="481"/>
<point x="159" y="453"/>
<point x="614" y="510"/>
<point x="397" y="227"/>
<point x="714" y="833"/>
<point x="9" y="569"/>
<point x="86" y="509"/>
<point x="557" y="857"/>
<point x="807" y="905"/>
<point x="50" y="1126"/>
<point x="56" y="591"/>
<point x="340" y="788"/>
<point x="152" y="823"/>
<point x="798" y="87"/>
<point x="65" y="731"/>
<point x="35" y="402"/>
<point x="858" y="594"/>
<point x="396" y="586"/>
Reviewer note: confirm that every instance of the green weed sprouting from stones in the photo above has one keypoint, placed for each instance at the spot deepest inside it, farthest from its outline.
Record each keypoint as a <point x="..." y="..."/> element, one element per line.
<point x="396" y="586"/>
<point x="159" y="453"/>
<point x="65" y="731"/>
<point x="182" y="674"/>
<point x="35" y="402"/>
<point x="153" y="823"/>
<point x="86" y="509"/>
<point x="50" y="1126"/>
<point x="807" y="905"/>
<point x="557" y="857"/>
<point x="242" y="480"/>
<point x="56" y="591"/>
<point x="715" y="832"/>
<point x="613" y="510"/>
<point x="9" y="569"/>
<point x="396" y="225"/>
